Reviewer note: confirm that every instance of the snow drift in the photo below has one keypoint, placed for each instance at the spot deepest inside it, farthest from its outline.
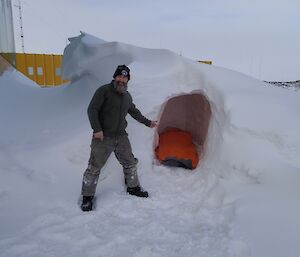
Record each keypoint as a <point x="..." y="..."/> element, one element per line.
<point x="241" y="201"/>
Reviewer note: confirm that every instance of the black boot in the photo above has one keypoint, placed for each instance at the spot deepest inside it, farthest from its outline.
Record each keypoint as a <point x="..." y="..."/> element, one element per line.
<point x="137" y="191"/>
<point x="87" y="203"/>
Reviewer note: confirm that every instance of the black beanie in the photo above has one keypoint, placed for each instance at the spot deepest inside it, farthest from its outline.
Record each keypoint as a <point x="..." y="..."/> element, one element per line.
<point x="122" y="70"/>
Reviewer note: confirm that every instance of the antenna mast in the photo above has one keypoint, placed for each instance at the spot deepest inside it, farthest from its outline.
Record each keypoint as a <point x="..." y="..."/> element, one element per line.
<point x="21" y="25"/>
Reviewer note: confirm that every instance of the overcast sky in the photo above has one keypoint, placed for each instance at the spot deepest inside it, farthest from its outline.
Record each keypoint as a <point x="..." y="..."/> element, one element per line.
<point x="258" y="37"/>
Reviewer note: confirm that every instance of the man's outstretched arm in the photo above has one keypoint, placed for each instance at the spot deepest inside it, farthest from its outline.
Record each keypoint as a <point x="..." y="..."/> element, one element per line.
<point x="137" y="115"/>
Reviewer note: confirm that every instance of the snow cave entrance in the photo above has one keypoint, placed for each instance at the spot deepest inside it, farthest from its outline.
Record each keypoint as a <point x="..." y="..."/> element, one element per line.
<point x="182" y="130"/>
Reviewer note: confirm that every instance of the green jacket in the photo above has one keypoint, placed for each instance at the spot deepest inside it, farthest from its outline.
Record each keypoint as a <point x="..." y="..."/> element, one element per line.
<point x="108" y="109"/>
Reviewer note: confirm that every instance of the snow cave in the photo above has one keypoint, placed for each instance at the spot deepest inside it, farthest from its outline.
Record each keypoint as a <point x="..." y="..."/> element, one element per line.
<point x="182" y="130"/>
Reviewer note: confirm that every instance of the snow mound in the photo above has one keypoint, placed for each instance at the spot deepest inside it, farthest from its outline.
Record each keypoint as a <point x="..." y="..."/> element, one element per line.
<point x="249" y="172"/>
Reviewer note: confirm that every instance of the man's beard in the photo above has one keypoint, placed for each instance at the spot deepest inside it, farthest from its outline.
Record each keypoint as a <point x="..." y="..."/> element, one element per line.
<point x="121" y="87"/>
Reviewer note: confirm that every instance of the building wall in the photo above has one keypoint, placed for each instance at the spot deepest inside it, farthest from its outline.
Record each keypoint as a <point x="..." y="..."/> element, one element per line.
<point x="7" y="41"/>
<point x="44" y="69"/>
<point x="4" y="65"/>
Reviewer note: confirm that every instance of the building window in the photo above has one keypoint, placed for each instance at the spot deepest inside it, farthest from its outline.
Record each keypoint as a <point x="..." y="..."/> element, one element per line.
<point x="40" y="71"/>
<point x="57" y="72"/>
<point x="30" y="71"/>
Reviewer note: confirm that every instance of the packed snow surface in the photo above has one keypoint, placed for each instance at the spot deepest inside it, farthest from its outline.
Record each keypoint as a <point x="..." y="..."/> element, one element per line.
<point x="242" y="200"/>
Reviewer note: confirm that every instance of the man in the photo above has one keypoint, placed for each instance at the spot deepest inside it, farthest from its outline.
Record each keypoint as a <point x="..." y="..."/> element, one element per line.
<point x="107" y="111"/>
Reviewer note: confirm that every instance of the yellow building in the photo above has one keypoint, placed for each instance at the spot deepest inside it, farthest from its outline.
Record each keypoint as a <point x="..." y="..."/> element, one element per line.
<point x="44" y="69"/>
<point x="206" y="62"/>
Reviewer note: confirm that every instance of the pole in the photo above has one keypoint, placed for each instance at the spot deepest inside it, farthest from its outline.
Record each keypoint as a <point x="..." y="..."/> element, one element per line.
<point x="21" y="25"/>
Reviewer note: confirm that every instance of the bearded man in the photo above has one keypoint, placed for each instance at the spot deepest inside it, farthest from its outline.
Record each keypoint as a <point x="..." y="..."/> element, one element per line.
<point x="107" y="115"/>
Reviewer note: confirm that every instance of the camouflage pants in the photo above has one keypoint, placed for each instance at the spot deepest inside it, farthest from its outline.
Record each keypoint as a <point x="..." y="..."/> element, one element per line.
<point x="100" y="151"/>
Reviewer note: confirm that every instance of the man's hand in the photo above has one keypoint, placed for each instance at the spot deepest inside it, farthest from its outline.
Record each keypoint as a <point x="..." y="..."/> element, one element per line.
<point x="99" y="135"/>
<point x="153" y="124"/>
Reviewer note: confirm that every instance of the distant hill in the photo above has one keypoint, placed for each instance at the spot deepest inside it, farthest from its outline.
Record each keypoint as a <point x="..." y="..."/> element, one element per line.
<point x="289" y="84"/>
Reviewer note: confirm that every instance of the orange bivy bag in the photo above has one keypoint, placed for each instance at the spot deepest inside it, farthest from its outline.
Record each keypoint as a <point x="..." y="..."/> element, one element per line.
<point x="176" y="148"/>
